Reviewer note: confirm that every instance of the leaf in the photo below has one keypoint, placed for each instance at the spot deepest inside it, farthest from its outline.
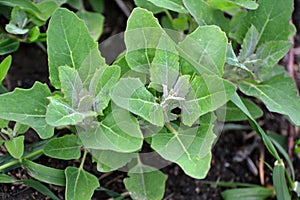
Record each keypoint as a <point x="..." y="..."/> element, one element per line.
<point x="149" y="6"/>
<point x="272" y="91"/>
<point x="60" y="113"/>
<point x="28" y="106"/>
<point x="232" y="60"/>
<point x="97" y="5"/>
<point x="131" y="94"/>
<point x="174" y="5"/>
<point x="110" y="160"/>
<point x="101" y="84"/>
<point x="8" y="45"/>
<point x="270" y="20"/>
<point x="6" y="179"/>
<point x="15" y="146"/>
<point x="280" y="185"/>
<point x="204" y="51"/>
<point x="45" y="174"/>
<point x="71" y="85"/>
<point x="3" y="123"/>
<point x="145" y="182"/>
<point x="13" y="29"/>
<point x="297" y="188"/>
<point x="188" y="147"/>
<point x="68" y="42"/>
<point x="270" y="53"/>
<point x="249" y="44"/>
<point x="65" y="148"/>
<point x="229" y="4"/>
<point x="254" y="193"/>
<point x="4" y="67"/>
<point x="24" y="4"/>
<point x="94" y="22"/>
<point x="207" y="93"/>
<point x="80" y="185"/>
<point x="204" y="14"/>
<point x="141" y="38"/>
<point x="117" y="132"/>
<point x="165" y="65"/>
<point x="232" y="113"/>
<point x="40" y="188"/>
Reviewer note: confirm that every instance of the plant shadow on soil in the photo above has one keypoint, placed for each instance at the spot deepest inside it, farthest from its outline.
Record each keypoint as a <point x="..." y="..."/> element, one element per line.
<point x="30" y="65"/>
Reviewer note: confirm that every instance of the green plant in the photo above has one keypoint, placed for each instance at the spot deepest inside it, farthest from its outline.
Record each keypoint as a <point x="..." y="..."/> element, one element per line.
<point x="167" y="90"/>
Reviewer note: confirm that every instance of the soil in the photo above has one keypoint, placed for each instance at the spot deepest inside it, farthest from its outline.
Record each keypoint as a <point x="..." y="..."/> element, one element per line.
<point x="30" y="65"/>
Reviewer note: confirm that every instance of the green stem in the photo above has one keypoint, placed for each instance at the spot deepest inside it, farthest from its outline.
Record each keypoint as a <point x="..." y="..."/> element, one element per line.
<point x="83" y="159"/>
<point x="33" y="154"/>
<point x="168" y="15"/>
<point x="9" y="164"/>
<point x="170" y="127"/>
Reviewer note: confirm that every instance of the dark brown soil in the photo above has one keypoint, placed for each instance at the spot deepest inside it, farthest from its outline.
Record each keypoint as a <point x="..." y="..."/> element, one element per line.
<point x="30" y="65"/>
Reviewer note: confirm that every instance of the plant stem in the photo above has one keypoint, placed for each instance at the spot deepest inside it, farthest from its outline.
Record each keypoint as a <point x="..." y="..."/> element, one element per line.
<point x="170" y="127"/>
<point x="33" y="154"/>
<point x="9" y="164"/>
<point x="83" y="159"/>
<point x="168" y="15"/>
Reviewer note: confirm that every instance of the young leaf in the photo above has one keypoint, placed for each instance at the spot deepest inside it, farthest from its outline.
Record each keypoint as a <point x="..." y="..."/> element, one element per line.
<point x="68" y="41"/>
<point x="232" y="60"/>
<point x="204" y="51"/>
<point x="117" y="132"/>
<point x="6" y="179"/>
<point x="65" y="148"/>
<point x="110" y="160"/>
<point x="253" y="193"/>
<point x="228" y="4"/>
<point x="188" y="147"/>
<point x="45" y="174"/>
<point x="272" y="91"/>
<point x="249" y="44"/>
<point x="80" y="185"/>
<point x="28" y="106"/>
<point x="131" y="94"/>
<point x="3" y="123"/>
<point x="15" y="146"/>
<point x="4" y="67"/>
<point x="281" y="189"/>
<point x="148" y="5"/>
<point x="165" y="65"/>
<point x="204" y="14"/>
<point x="145" y="182"/>
<point x="207" y="93"/>
<point x="71" y="84"/>
<point x="101" y="84"/>
<point x="94" y="22"/>
<point x="174" y="5"/>
<point x="141" y="38"/>
<point x="59" y="113"/>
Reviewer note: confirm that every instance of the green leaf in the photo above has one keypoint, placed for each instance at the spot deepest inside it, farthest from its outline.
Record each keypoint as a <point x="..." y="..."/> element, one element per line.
<point x="297" y="188"/>
<point x="34" y="34"/>
<point x="45" y="174"/>
<point x="59" y="113"/>
<point x="28" y="106"/>
<point x="24" y="4"/>
<point x="13" y="29"/>
<point x="71" y="85"/>
<point x="141" y="38"/>
<point x="40" y="188"/>
<point x="204" y="51"/>
<point x="272" y="91"/>
<point x="97" y="5"/>
<point x="101" y="84"/>
<point x="281" y="189"/>
<point x="117" y="132"/>
<point x="232" y="113"/>
<point x="69" y="42"/>
<point x="8" y="45"/>
<point x="131" y="94"/>
<point x="270" y="53"/>
<point x="229" y="4"/>
<point x="174" y="5"/>
<point x="269" y="23"/>
<point x="254" y="193"/>
<point x="6" y="179"/>
<point x="15" y="146"/>
<point x="188" y="147"/>
<point x="77" y="4"/>
<point x="266" y="139"/>
<point x="65" y="148"/>
<point x="80" y="185"/>
<point x="110" y="160"/>
<point x="149" y="6"/>
<point x="3" y="123"/>
<point x="94" y="22"/>
<point x="249" y="44"/>
<point x="207" y="93"/>
<point x="204" y="14"/>
<point x="4" y="67"/>
<point x="145" y="182"/>
<point x="232" y="60"/>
